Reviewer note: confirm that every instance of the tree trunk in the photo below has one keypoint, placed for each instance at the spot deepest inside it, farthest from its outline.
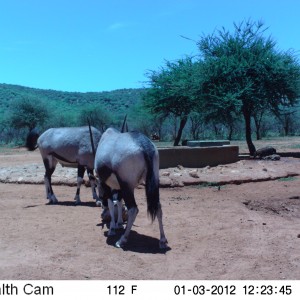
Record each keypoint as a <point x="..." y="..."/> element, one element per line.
<point x="179" y="134"/>
<point x="286" y="126"/>
<point x="247" y="117"/>
<point x="258" y="137"/>
<point x="216" y="130"/>
<point x="257" y="126"/>
<point x="230" y="132"/>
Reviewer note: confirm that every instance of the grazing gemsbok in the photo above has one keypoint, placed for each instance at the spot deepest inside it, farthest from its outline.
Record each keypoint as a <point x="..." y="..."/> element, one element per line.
<point x="123" y="160"/>
<point x="72" y="147"/>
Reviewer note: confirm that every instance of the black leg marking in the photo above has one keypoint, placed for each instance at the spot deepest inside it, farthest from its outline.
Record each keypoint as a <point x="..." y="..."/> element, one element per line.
<point x="104" y="173"/>
<point x="127" y="194"/>
<point x="80" y="171"/>
<point x="48" y="174"/>
<point x="80" y="174"/>
<point x="91" y="174"/>
<point x="106" y="194"/>
<point x="93" y="182"/>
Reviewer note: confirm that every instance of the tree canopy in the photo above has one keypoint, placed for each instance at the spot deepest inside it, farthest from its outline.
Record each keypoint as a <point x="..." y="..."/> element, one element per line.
<point x="28" y="112"/>
<point x="245" y="73"/>
<point x="173" y="91"/>
<point x="239" y="73"/>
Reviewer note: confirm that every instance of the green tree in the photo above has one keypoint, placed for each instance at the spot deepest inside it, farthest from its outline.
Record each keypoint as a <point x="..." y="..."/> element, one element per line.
<point x="28" y="112"/>
<point x="196" y="123"/>
<point x="172" y="91"/>
<point x="97" y="117"/>
<point x="286" y="117"/>
<point x="245" y="73"/>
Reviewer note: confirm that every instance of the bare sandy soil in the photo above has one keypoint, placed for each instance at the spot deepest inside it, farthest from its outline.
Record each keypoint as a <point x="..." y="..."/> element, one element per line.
<point x="237" y="221"/>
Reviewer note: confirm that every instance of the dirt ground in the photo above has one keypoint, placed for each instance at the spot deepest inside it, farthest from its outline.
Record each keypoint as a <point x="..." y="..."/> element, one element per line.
<point x="237" y="221"/>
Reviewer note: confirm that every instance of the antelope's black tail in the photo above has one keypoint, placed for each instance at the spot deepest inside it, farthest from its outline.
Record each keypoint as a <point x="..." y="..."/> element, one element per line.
<point x="152" y="180"/>
<point x="31" y="140"/>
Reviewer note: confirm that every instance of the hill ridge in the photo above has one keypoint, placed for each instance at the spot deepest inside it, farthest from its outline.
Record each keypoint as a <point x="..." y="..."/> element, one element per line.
<point x="116" y="101"/>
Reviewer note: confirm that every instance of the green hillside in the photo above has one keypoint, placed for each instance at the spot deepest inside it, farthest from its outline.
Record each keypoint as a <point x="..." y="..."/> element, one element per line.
<point x="117" y="102"/>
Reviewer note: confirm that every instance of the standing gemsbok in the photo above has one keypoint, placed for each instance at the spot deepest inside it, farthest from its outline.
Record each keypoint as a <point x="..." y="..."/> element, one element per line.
<point x="70" y="146"/>
<point x="123" y="160"/>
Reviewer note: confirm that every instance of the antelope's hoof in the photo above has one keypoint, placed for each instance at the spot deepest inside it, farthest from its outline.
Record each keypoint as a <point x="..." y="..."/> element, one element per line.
<point x="121" y="242"/>
<point x="118" y="244"/>
<point x="163" y="244"/>
<point x="53" y="200"/>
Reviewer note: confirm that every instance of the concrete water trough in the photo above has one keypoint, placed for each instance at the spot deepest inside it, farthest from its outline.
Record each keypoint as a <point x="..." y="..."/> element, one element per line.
<point x="207" y="143"/>
<point x="197" y="157"/>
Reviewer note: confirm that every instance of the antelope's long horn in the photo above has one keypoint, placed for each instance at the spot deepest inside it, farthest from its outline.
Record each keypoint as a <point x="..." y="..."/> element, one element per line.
<point x="124" y="123"/>
<point x="91" y="136"/>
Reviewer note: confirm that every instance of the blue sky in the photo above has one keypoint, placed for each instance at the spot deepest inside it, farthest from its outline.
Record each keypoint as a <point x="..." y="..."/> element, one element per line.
<point x="95" y="45"/>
